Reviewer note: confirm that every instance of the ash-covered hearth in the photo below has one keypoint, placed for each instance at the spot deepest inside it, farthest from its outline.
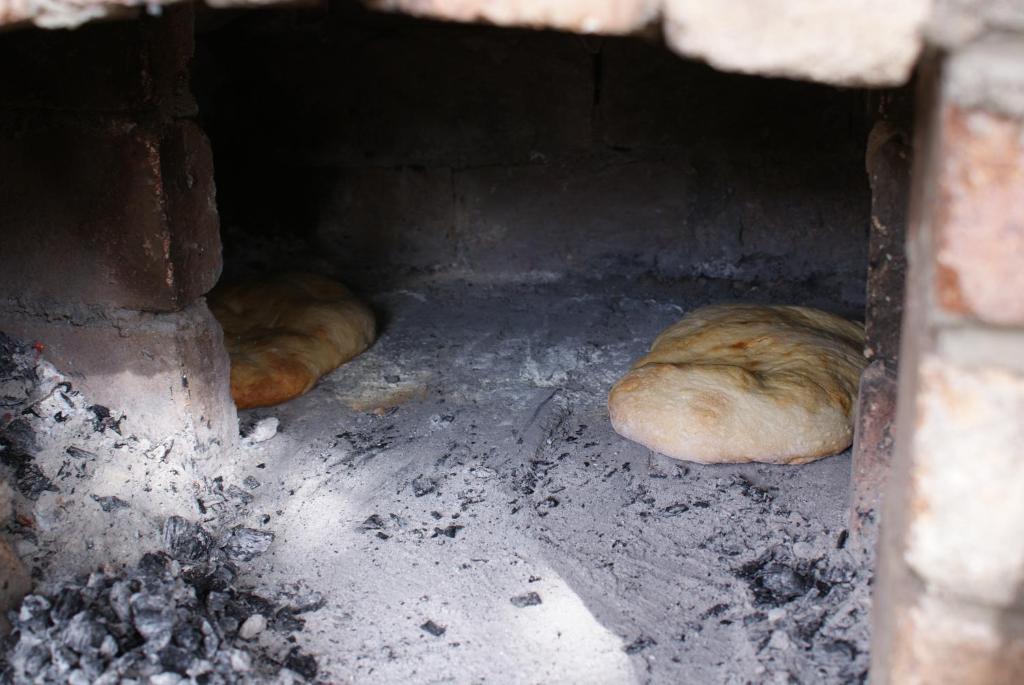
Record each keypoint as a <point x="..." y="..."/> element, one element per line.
<point x="310" y="320"/>
<point x="180" y="611"/>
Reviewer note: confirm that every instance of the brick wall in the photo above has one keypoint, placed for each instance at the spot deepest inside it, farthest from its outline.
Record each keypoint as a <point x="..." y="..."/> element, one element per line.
<point x="108" y="220"/>
<point x="950" y="601"/>
<point x="393" y="145"/>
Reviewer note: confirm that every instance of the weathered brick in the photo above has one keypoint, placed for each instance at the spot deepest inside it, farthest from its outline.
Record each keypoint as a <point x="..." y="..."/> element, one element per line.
<point x="980" y="215"/>
<point x="872" y="453"/>
<point x="581" y="16"/>
<point x="853" y="42"/>
<point x="103" y="211"/>
<point x="937" y="641"/>
<point x="888" y="161"/>
<point x="169" y="373"/>
<point x="966" y="506"/>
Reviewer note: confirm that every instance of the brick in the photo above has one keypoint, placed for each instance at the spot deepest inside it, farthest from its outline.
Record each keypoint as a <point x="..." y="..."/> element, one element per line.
<point x="872" y="42"/>
<point x="888" y="162"/>
<point x="980" y="216"/>
<point x="966" y="510"/>
<point x="169" y="373"/>
<point x="581" y="16"/>
<point x="193" y="224"/>
<point x="937" y="641"/>
<point x="84" y="210"/>
<point x="872" y="453"/>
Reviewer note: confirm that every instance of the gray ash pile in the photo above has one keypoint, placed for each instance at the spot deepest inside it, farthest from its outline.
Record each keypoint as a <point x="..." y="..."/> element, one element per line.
<point x="176" y="617"/>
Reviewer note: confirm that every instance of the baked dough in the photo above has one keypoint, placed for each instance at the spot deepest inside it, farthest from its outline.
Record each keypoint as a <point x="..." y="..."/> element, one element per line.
<point x="284" y="332"/>
<point x="739" y="383"/>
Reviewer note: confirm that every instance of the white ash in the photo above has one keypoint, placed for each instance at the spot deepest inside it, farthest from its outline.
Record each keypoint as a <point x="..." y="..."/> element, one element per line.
<point x="429" y="523"/>
<point x="413" y="511"/>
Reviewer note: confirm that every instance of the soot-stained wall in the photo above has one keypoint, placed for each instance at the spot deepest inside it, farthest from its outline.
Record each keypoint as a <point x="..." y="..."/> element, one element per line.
<point x="384" y="146"/>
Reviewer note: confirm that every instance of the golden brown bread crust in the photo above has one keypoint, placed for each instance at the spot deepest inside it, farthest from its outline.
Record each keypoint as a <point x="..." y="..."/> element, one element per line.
<point x="285" y="331"/>
<point x="736" y="383"/>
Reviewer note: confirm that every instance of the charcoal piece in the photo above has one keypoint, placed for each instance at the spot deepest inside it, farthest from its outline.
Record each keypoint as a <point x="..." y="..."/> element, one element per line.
<point x="83" y="633"/>
<point x="447" y="531"/>
<point x="91" y="665"/>
<point x="228" y="625"/>
<point x="66" y="604"/>
<point x="373" y="522"/>
<point x="211" y="643"/>
<point x="34" y="613"/>
<point x="285" y="621"/>
<point x="62" y="658"/>
<point x="239" y="494"/>
<point x="186" y="541"/>
<point x="103" y="420"/>
<point x="127" y="663"/>
<point x="434" y="629"/>
<point x="245" y="544"/>
<point x="111" y="503"/>
<point x="306" y="602"/>
<point x="774" y="583"/>
<point x="217" y="602"/>
<point x="528" y="599"/>
<point x="206" y="580"/>
<point x="18" y="437"/>
<point x="676" y="509"/>
<point x="251" y="483"/>
<point x="153" y="618"/>
<point x="79" y="453"/>
<point x="303" y="664"/>
<point x="176" y="659"/>
<point x="546" y="504"/>
<point x="842" y="648"/>
<point x="640" y="644"/>
<point x="120" y="600"/>
<point x="783" y="582"/>
<point x="153" y="565"/>
<point x="187" y="637"/>
<point x="421" y="485"/>
<point x="31" y="482"/>
<point x="245" y="604"/>
<point x="30" y="657"/>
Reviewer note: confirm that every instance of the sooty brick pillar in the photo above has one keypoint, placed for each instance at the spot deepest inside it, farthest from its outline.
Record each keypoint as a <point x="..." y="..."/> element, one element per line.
<point x="887" y="162"/>
<point x="949" y="601"/>
<point x="109" y="229"/>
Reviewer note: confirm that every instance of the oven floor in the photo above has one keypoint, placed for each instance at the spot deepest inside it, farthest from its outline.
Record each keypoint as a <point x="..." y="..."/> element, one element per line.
<point x="463" y="472"/>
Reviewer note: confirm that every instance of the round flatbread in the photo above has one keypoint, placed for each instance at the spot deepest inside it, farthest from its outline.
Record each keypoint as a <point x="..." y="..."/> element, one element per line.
<point x="286" y="331"/>
<point x="739" y="383"/>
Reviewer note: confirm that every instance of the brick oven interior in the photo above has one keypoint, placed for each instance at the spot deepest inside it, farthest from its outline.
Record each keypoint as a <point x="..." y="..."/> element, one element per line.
<point x="524" y="210"/>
